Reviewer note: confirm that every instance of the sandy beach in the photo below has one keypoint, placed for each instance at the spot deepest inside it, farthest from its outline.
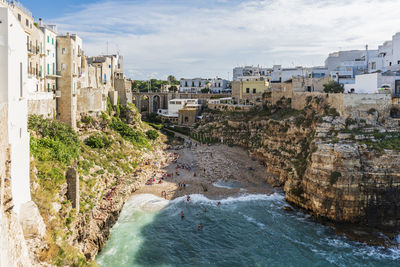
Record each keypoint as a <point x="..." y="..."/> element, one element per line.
<point x="216" y="171"/>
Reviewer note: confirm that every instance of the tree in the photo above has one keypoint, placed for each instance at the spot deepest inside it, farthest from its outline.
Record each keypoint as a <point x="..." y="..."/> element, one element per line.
<point x="173" y="88"/>
<point x="333" y="87"/>
<point x="171" y="78"/>
<point x="205" y="90"/>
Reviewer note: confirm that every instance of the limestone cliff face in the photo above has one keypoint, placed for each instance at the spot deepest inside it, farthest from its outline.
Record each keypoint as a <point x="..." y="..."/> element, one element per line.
<point x="336" y="168"/>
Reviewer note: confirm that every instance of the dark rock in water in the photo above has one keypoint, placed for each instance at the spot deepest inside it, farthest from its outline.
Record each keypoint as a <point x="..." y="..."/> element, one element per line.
<point x="287" y="208"/>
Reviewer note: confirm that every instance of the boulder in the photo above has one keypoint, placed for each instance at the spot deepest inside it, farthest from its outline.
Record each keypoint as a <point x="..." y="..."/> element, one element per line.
<point x="31" y="221"/>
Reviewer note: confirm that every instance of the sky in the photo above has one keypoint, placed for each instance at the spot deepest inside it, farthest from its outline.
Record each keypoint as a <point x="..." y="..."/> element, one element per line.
<point x="208" y="38"/>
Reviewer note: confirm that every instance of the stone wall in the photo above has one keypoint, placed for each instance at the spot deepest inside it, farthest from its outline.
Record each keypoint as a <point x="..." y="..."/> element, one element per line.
<point x="91" y="100"/>
<point x="45" y="107"/>
<point x="229" y="107"/>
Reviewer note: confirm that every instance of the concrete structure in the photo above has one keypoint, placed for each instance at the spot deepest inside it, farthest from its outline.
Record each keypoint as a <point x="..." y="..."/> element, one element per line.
<point x="69" y="62"/>
<point x="372" y="83"/>
<point x="249" y="91"/>
<point x="13" y="93"/>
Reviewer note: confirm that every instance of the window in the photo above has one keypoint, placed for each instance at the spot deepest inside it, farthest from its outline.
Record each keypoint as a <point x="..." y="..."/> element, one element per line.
<point x="48" y="69"/>
<point x="390" y="63"/>
<point x="398" y="61"/>
<point x="48" y="87"/>
<point x="52" y="40"/>
<point x="247" y="90"/>
<point x="48" y="39"/>
<point x="63" y="66"/>
<point x="27" y="22"/>
<point x="254" y="90"/>
<point x="63" y="51"/>
<point x="373" y="65"/>
<point x="19" y="17"/>
<point x="54" y="69"/>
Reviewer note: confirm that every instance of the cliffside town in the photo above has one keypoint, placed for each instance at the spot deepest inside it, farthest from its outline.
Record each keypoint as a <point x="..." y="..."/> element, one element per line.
<point x="73" y="145"/>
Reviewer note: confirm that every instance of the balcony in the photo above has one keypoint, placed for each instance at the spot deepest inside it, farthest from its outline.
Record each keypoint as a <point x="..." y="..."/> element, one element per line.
<point x="56" y="74"/>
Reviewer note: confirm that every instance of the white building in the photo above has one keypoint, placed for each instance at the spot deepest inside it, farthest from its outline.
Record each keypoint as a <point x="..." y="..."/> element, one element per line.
<point x="48" y="51"/>
<point x="219" y="86"/>
<point x="13" y="91"/>
<point x="174" y="105"/>
<point x="249" y="72"/>
<point x="388" y="56"/>
<point x="194" y="85"/>
<point x="372" y="83"/>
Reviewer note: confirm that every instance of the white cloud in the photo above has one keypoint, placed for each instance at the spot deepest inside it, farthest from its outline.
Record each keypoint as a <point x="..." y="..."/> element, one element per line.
<point x="208" y="38"/>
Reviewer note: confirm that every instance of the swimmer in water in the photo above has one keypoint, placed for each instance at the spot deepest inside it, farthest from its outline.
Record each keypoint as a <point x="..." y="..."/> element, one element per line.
<point x="219" y="204"/>
<point x="182" y="215"/>
<point x="205" y="210"/>
<point x="188" y="198"/>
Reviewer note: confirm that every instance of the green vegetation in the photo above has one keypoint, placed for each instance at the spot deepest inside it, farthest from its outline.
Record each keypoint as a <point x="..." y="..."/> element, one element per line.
<point x="135" y="137"/>
<point x="152" y="134"/>
<point x="334" y="177"/>
<point x="98" y="141"/>
<point x="333" y="87"/>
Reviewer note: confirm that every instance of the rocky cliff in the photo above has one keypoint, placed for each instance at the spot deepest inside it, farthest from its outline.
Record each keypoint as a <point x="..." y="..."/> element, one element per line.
<point x="110" y="155"/>
<point x="340" y="169"/>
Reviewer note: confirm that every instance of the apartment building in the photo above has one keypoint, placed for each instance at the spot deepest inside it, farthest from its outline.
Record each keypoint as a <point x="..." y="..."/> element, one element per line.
<point x="194" y="85"/>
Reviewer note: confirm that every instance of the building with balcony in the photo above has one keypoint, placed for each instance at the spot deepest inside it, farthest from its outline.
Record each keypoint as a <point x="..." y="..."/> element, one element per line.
<point x="194" y="85"/>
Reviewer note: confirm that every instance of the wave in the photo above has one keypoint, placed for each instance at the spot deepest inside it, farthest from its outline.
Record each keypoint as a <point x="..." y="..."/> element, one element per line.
<point x="199" y="198"/>
<point x="145" y="202"/>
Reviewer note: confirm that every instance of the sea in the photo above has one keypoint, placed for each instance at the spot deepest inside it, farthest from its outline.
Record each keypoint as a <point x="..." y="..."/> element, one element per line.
<point x="246" y="230"/>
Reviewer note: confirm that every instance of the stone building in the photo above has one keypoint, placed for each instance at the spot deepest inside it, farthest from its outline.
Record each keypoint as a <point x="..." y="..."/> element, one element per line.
<point x="307" y="84"/>
<point x="69" y="62"/>
<point x="124" y="89"/>
<point x="249" y="91"/>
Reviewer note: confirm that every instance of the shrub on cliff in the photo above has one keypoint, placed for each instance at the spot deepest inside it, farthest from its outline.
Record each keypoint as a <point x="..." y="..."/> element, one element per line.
<point x="333" y="87"/>
<point x="98" y="141"/>
<point x="152" y="134"/>
<point x="135" y="137"/>
<point x="57" y="140"/>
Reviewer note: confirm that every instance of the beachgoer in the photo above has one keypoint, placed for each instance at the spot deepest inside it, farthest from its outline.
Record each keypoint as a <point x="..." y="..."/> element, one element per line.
<point x="182" y="215"/>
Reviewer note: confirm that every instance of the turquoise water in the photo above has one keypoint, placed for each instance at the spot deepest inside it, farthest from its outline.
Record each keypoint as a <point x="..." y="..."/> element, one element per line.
<point x="250" y="230"/>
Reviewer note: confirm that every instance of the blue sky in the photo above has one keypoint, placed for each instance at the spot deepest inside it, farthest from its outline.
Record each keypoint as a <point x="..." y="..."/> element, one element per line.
<point x="207" y="38"/>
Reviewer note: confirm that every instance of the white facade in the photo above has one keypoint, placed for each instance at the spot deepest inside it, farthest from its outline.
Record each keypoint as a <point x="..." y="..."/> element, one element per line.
<point x="193" y="85"/>
<point x="372" y="82"/>
<point x="250" y="72"/>
<point x="48" y="51"/>
<point x="13" y="90"/>
<point x="219" y="85"/>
